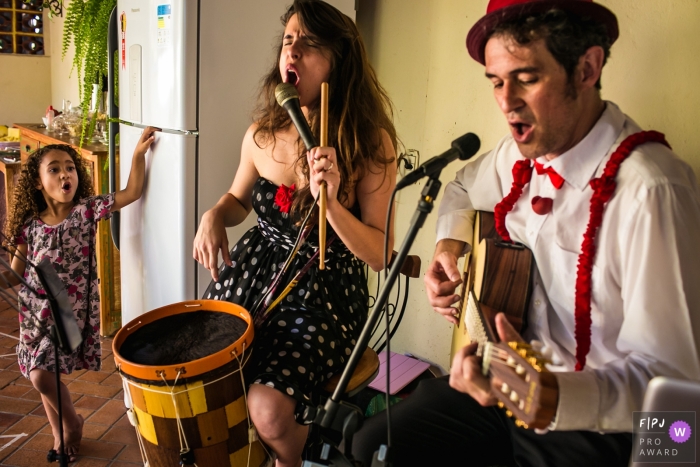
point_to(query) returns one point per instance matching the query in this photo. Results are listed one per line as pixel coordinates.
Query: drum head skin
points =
(190, 338)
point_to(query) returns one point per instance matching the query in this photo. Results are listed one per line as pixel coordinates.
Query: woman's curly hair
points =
(28, 202)
(358, 109)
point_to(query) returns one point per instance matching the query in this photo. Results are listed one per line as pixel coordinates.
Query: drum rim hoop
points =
(189, 369)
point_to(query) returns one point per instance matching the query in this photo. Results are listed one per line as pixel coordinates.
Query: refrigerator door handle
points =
(112, 47)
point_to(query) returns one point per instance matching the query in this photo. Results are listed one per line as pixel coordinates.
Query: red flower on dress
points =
(283, 197)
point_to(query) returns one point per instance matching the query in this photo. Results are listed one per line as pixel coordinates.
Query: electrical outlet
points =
(408, 161)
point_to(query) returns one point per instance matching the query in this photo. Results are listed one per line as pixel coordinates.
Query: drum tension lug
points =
(186, 457)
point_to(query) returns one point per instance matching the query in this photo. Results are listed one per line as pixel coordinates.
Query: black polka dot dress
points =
(309, 336)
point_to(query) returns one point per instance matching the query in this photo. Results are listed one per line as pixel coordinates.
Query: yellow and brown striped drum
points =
(207, 397)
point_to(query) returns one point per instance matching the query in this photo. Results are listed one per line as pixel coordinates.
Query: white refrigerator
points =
(191, 68)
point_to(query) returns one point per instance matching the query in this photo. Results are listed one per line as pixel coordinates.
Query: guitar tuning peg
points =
(518, 346)
(535, 363)
(547, 353)
(514, 396)
(521, 424)
(509, 413)
(542, 349)
(501, 405)
(504, 388)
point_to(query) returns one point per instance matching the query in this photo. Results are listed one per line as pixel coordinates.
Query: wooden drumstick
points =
(322, 195)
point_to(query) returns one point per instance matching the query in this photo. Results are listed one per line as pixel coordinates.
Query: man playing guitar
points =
(612, 217)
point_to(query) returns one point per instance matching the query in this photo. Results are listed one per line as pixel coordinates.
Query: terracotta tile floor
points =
(25, 434)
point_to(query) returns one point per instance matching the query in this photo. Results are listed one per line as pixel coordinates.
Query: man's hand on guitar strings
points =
(466, 376)
(442, 277)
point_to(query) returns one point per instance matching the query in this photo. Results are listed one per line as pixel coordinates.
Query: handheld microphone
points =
(462, 148)
(288, 97)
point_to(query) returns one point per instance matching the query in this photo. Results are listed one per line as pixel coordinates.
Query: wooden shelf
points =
(96, 155)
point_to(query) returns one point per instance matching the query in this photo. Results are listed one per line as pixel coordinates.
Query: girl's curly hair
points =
(28, 202)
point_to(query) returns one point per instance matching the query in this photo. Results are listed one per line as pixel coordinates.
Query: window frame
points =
(14, 10)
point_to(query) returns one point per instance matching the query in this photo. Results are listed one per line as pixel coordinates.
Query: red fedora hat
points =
(499, 11)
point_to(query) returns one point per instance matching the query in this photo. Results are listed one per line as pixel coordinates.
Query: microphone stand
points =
(53, 455)
(341, 416)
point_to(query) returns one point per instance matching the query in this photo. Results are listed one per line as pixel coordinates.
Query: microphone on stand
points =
(288, 97)
(462, 148)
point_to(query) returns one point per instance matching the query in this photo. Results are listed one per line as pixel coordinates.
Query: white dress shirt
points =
(645, 305)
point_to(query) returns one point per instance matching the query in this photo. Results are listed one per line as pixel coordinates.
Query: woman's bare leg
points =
(273, 416)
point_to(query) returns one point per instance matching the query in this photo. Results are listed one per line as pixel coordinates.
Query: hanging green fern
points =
(86, 27)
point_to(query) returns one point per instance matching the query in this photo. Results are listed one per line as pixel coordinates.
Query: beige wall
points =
(25, 88)
(418, 49)
(29, 84)
(64, 83)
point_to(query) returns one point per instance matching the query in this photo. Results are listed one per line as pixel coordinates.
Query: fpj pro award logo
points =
(667, 437)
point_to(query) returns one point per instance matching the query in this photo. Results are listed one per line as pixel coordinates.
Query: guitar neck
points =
(479, 320)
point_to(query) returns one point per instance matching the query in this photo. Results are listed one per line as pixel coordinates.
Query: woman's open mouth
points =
(292, 76)
(66, 187)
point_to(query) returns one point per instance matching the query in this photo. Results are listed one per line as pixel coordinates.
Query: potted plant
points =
(86, 26)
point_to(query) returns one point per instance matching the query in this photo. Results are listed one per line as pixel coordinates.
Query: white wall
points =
(418, 49)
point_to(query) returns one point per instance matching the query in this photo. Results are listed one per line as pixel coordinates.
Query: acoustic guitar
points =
(497, 278)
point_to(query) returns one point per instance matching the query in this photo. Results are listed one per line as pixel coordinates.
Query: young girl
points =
(308, 337)
(54, 215)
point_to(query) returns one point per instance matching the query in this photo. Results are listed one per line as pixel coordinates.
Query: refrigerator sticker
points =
(122, 24)
(164, 26)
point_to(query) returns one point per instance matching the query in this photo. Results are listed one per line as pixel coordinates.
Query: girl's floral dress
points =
(67, 245)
